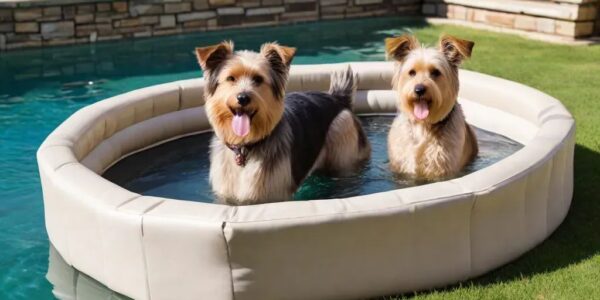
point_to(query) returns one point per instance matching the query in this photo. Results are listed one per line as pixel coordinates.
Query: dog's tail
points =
(343, 86)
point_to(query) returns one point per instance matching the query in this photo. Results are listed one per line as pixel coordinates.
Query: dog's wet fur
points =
(429, 139)
(289, 136)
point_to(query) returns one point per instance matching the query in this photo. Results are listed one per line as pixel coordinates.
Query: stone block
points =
(366, 2)
(2, 42)
(410, 10)
(28, 14)
(85, 30)
(145, 9)
(480, 15)
(565, 28)
(62, 29)
(167, 31)
(193, 29)
(460, 13)
(86, 9)
(6, 15)
(127, 30)
(229, 20)
(69, 12)
(104, 29)
(299, 16)
(263, 19)
(193, 24)
(201, 4)
(278, 2)
(301, 7)
(586, 13)
(84, 19)
(525, 23)
(333, 2)
(211, 23)
(265, 11)
(120, 6)
(354, 9)
(7, 27)
(102, 7)
(229, 11)
(53, 11)
(195, 16)
(167, 21)
(27, 27)
(428, 9)
(574, 29)
(217, 3)
(333, 10)
(149, 20)
(142, 34)
(501, 19)
(110, 37)
(545, 25)
(173, 8)
(249, 3)
(470, 14)
(332, 17)
(103, 19)
(127, 23)
(59, 42)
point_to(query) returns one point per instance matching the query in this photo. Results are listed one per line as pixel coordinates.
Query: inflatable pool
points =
(390, 242)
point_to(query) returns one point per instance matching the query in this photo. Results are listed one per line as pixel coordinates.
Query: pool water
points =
(40, 88)
(179, 169)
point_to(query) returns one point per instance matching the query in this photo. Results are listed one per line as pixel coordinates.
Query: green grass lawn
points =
(567, 265)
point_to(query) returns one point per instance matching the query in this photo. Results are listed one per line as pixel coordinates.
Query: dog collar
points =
(446, 118)
(241, 152)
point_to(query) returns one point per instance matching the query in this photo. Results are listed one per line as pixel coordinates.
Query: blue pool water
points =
(179, 169)
(40, 88)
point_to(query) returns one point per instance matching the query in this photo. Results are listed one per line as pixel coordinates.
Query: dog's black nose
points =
(420, 89)
(243, 99)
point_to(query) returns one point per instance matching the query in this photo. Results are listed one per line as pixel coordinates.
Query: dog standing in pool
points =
(266, 142)
(430, 138)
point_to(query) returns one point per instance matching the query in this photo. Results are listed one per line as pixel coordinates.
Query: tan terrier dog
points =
(266, 142)
(430, 138)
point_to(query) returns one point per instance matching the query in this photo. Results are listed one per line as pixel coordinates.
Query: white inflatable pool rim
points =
(397, 241)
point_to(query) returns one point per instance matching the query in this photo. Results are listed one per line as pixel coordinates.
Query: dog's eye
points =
(412, 73)
(435, 73)
(230, 78)
(257, 79)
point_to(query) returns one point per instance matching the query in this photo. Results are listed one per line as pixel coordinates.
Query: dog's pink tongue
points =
(241, 124)
(421, 109)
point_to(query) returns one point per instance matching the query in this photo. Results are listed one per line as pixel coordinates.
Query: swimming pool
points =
(40, 88)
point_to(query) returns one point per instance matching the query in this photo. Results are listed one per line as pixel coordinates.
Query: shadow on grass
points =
(575, 240)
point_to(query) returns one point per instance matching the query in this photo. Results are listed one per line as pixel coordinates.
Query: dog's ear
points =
(212, 56)
(279, 58)
(454, 49)
(398, 47)
(286, 54)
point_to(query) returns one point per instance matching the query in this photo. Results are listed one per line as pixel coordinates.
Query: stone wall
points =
(566, 18)
(597, 32)
(60, 22)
